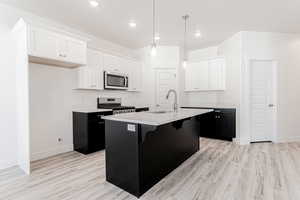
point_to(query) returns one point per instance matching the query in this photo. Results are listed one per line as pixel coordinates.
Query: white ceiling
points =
(217, 19)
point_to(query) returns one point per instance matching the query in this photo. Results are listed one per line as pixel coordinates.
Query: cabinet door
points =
(124, 66)
(96, 135)
(94, 58)
(84, 78)
(111, 63)
(44, 44)
(225, 124)
(91, 75)
(189, 76)
(95, 63)
(201, 76)
(75, 51)
(135, 76)
(208, 125)
(89, 78)
(217, 74)
(197, 76)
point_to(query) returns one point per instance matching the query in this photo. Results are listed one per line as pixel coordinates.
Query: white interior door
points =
(165, 80)
(262, 100)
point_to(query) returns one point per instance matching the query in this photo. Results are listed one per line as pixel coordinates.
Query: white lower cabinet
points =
(206, 75)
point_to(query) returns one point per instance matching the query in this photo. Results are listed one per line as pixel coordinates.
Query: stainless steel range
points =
(115, 104)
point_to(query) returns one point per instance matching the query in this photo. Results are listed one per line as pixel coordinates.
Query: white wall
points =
(285, 49)
(50, 110)
(52, 100)
(42, 145)
(202, 54)
(8, 143)
(167, 58)
(231, 49)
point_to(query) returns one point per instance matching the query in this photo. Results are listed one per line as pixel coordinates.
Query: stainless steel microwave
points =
(115, 81)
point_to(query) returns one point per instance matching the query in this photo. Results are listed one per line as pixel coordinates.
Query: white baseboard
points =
(244, 141)
(289, 139)
(7, 164)
(51, 152)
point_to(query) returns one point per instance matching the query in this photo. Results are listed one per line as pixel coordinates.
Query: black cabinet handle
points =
(101, 123)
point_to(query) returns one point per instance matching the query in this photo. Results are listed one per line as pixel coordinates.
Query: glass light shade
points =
(184, 64)
(153, 50)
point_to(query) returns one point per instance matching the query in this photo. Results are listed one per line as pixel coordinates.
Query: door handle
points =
(271, 105)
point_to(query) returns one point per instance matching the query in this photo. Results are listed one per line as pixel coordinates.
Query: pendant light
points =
(184, 63)
(153, 45)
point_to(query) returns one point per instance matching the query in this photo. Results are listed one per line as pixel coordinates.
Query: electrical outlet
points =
(59, 139)
(131, 127)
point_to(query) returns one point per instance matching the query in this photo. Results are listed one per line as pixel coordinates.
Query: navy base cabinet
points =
(219, 124)
(139, 158)
(89, 132)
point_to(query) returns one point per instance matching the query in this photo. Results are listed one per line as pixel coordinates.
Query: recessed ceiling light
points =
(132, 24)
(198, 34)
(94, 3)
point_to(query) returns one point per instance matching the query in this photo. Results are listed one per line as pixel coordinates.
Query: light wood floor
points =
(219, 171)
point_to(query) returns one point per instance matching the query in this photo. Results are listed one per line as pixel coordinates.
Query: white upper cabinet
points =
(196, 76)
(217, 74)
(124, 66)
(112, 63)
(206, 75)
(75, 51)
(201, 76)
(166, 57)
(43, 44)
(135, 76)
(49, 47)
(94, 58)
(90, 77)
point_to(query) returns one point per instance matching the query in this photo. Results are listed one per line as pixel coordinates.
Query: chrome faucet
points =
(175, 106)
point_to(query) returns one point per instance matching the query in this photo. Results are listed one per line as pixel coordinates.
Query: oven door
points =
(115, 81)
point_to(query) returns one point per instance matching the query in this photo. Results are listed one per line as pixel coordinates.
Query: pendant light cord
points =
(185, 17)
(153, 36)
(184, 48)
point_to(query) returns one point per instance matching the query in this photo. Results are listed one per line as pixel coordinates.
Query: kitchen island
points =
(142, 148)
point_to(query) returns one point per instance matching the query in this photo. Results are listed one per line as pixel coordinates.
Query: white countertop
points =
(90, 110)
(217, 106)
(155, 119)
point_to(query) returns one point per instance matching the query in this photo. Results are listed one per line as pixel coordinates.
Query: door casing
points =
(156, 84)
(245, 112)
